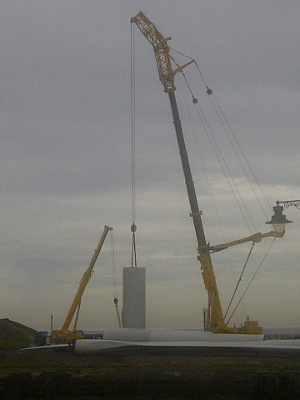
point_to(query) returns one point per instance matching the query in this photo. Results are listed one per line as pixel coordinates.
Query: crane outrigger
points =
(214, 320)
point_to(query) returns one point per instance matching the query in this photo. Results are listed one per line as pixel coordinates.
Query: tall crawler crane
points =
(214, 316)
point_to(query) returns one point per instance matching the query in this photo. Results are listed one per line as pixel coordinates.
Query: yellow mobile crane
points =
(214, 320)
(64, 335)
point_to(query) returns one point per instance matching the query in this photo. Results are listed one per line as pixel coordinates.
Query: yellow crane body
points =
(214, 317)
(64, 335)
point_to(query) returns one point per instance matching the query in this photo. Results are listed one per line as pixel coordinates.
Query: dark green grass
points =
(14, 335)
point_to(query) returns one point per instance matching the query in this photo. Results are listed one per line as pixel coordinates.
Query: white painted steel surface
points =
(174, 335)
(127, 335)
(90, 346)
(134, 298)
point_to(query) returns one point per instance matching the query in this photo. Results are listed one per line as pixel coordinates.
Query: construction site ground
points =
(65, 375)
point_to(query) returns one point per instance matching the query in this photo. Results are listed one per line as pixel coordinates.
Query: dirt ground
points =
(143, 376)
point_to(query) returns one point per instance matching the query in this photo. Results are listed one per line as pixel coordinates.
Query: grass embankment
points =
(14, 335)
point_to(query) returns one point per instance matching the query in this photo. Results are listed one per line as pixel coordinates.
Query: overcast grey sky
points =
(66, 156)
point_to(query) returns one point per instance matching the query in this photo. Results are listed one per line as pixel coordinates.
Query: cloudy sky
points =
(66, 157)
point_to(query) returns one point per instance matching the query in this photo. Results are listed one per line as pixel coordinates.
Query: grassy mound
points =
(14, 335)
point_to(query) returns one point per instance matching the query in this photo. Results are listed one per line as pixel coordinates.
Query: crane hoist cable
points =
(220, 114)
(133, 121)
(239, 280)
(218, 110)
(226, 126)
(224, 122)
(114, 277)
(207, 129)
(214, 142)
(133, 150)
(222, 162)
(219, 155)
(209, 91)
(209, 187)
(251, 280)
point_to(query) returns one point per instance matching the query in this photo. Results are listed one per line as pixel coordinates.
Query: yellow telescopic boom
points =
(64, 334)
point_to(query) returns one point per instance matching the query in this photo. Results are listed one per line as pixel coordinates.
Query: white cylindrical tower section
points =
(134, 298)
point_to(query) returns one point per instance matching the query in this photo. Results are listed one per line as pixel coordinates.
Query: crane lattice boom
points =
(161, 50)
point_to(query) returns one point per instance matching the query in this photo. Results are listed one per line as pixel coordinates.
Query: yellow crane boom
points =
(64, 334)
(161, 51)
(214, 316)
